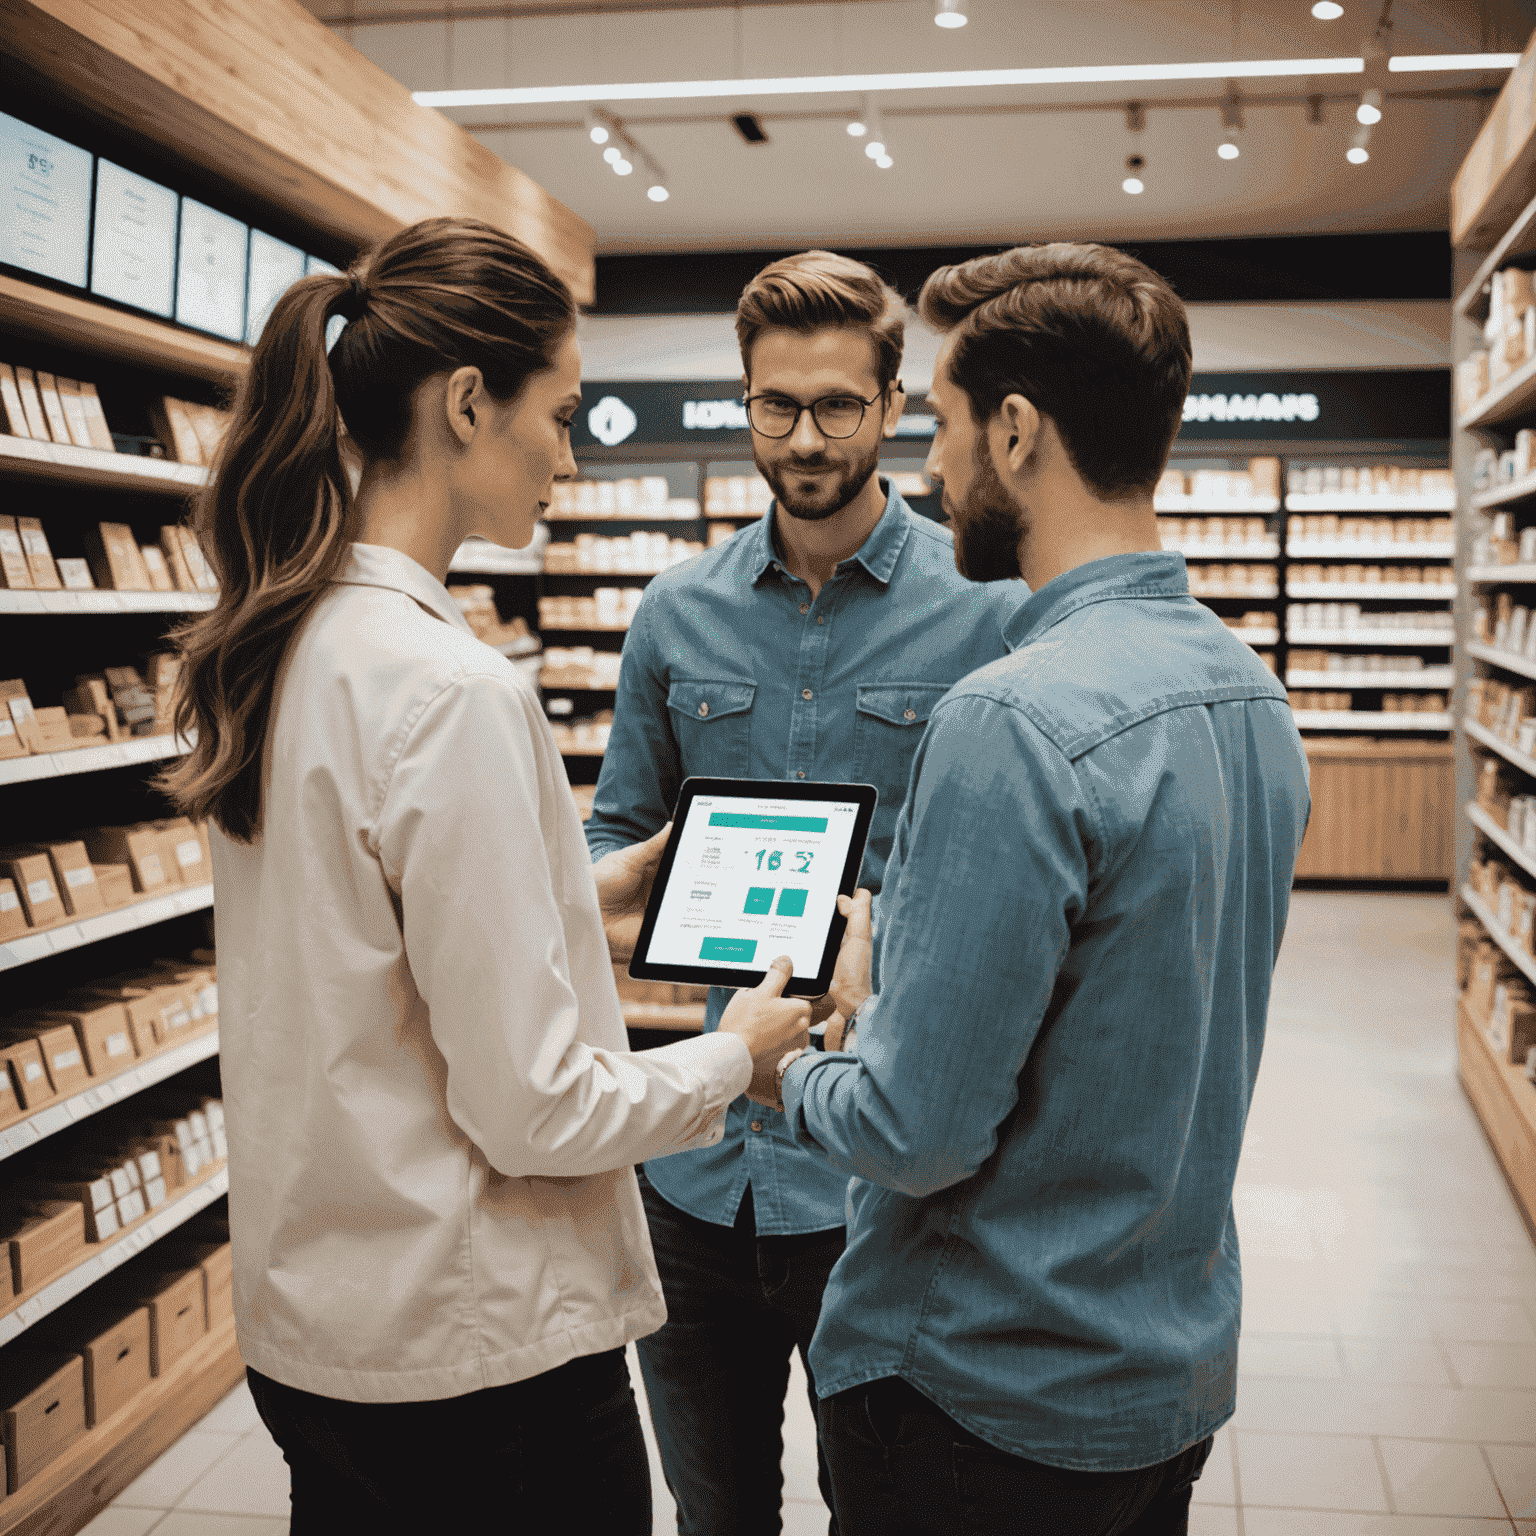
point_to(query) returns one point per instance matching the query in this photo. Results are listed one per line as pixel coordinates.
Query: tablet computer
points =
(752, 870)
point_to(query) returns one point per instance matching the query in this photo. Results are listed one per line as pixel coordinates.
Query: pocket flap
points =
(900, 703)
(708, 699)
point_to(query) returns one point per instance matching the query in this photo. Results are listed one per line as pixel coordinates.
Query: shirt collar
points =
(878, 553)
(376, 565)
(1148, 573)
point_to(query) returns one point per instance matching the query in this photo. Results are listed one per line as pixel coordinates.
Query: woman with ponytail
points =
(433, 1114)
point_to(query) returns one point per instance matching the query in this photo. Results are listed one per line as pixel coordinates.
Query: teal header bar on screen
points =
(768, 823)
(728, 949)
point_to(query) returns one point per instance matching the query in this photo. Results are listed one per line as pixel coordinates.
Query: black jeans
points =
(561, 1451)
(902, 1467)
(716, 1371)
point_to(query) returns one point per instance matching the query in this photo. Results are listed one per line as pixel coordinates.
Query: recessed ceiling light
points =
(885, 162)
(1369, 110)
(1228, 150)
(622, 167)
(1327, 10)
(1134, 164)
(1357, 154)
(658, 194)
(857, 128)
(613, 153)
(949, 13)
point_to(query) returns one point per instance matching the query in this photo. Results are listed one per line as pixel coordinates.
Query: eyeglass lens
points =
(777, 415)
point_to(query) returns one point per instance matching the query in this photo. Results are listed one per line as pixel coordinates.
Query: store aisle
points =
(1389, 1350)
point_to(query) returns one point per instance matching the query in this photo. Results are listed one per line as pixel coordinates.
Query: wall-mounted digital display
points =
(275, 267)
(46, 218)
(210, 274)
(134, 247)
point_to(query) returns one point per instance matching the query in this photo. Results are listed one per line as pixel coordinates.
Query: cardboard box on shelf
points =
(197, 563)
(13, 419)
(160, 578)
(116, 884)
(178, 1314)
(33, 874)
(176, 558)
(75, 878)
(53, 407)
(74, 413)
(213, 1258)
(32, 405)
(75, 574)
(11, 1111)
(113, 1337)
(29, 1076)
(34, 544)
(54, 730)
(91, 696)
(139, 847)
(102, 1027)
(115, 560)
(15, 573)
(169, 420)
(45, 1411)
(43, 1238)
(95, 418)
(12, 919)
(62, 1055)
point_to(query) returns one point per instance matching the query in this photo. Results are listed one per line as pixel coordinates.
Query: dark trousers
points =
(564, 1451)
(717, 1370)
(902, 1467)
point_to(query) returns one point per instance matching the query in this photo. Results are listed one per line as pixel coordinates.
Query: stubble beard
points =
(988, 531)
(838, 493)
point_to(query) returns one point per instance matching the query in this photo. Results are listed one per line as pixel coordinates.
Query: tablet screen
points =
(755, 876)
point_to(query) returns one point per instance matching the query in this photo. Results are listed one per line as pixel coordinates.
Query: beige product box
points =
(45, 1412)
(178, 1315)
(168, 416)
(11, 1110)
(13, 419)
(62, 1056)
(33, 874)
(13, 920)
(75, 574)
(75, 877)
(214, 1261)
(160, 1011)
(13, 696)
(209, 424)
(96, 419)
(53, 728)
(32, 405)
(116, 884)
(34, 544)
(92, 696)
(116, 1350)
(115, 559)
(102, 1028)
(88, 730)
(14, 570)
(190, 850)
(197, 563)
(29, 1077)
(44, 1238)
(176, 558)
(91, 1189)
(139, 847)
(53, 407)
(11, 745)
(159, 571)
(74, 413)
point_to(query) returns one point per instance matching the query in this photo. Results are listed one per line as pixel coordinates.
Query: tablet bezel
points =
(866, 796)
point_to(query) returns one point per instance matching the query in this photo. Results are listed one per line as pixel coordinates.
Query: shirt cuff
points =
(796, 1078)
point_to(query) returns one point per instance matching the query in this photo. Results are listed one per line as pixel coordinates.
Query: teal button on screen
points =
(792, 904)
(728, 949)
(768, 823)
(759, 899)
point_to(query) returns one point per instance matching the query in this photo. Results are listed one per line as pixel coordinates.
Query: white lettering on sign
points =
(610, 421)
(714, 416)
(1266, 407)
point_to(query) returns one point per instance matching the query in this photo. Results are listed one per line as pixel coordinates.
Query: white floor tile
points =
(1437, 1477)
(1384, 1408)
(182, 1522)
(120, 1521)
(1310, 1472)
(1267, 1355)
(1399, 1360)
(1213, 1520)
(1480, 1322)
(1215, 1485)
(163, 1482)
(235, 1415)
(1511, 1366)
(1514, 1470)
(1296, 1522)
(251, 1480)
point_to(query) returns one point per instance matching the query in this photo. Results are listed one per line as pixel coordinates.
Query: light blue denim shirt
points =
(730, 670)
(1081, 915)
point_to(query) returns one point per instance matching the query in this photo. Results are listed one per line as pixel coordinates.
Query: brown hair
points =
(276, 517)
(821, 288)
(1091, 337)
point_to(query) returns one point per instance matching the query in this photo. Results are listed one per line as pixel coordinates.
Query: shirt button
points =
(805, 693)
(703, 709)
(909, 714)
(805, 607)
(821, 618)
(757, 1125)
(800, 774)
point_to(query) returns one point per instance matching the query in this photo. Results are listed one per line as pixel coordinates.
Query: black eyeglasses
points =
(835, 416)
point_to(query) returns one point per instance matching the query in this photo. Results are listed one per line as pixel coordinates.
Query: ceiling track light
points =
(597, 129)
(858, 125)
(1358, 152)
(1369, 110)
(1232, 124)
(622, 153)
(1327, 10)
(949, 13)
(874, 146)
(1133, 184)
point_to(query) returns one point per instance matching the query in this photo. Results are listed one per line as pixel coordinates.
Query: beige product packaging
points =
(115, 559)
(34, 544)
(12, 418)
(13, 921)
(75, 573)
(10, 1112)
(33, 874)
(209, 425)
(96, 419)
(32, 405)
(188, 844)
(11, 744)
(76, 879)
(74, 413)
(53, 728)
(29, 1075)
(13, 695)
(88, 730)
(168, 416)
(62, 1055)
(159, 572)
(53, 407)
(104, 1033)
(14, 570)
(197, 563)
(50, 1236)
(139, 847)
(91, 696)
(176, 558)
(115, 882)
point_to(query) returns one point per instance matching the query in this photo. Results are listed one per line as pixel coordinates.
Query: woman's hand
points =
(624, 879)
(769, 1024)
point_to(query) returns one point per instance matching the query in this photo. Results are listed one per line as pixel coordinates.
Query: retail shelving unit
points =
(272, 119)
(1496, 759)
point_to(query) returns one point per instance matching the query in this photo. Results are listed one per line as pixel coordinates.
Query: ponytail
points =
(276, 518)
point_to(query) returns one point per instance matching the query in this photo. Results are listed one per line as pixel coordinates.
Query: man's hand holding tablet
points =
(769, 1024)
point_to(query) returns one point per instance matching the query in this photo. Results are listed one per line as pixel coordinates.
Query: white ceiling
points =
(997, 174)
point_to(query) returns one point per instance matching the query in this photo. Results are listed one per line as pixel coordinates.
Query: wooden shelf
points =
(1495, 833)
(1506, 659)
(1341, 549)
(1334, 591)
(106, 602)
(583, 629)
(587, 687)
(105, 1092)
(26, 458)
(1502, 495)
(1508, 400)
(688, 1016)
(115, 754)
(583, 751)
(1505, 1103)
(1479, 732)
(1500, 936)
(1484, 575)
(72, 320)
(73, 932)
(1519, 238)
(1365, 720)
(1387, 638)
(1437, 678)
(31, 1307)
(69, 1493)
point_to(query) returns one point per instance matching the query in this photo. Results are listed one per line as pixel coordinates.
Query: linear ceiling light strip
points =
(947, 79)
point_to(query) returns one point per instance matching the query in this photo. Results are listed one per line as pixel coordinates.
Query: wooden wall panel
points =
(264, 96)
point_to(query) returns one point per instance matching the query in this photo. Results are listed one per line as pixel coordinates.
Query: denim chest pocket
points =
(889, 722)
(712, 721)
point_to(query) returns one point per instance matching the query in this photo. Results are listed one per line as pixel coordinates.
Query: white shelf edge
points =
(1506, 659)
(85, 1274)
(1266, 595)
(21, 600)
(1467, 300)
(1491, 829)
(1269, 550)
(1369, 720)
(1442, 678)
(105, 1092)
(1499, 495)
(1385, 637)
(1338, 501)
(1480, 733)
(1254, 506)
(1436, 592)
(129, 466)
(1257, 636)
(115, 754)
(1337, 549)
(1497, 573)
(104, 925)
(1500, 936)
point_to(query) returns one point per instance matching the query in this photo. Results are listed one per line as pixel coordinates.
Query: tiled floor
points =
(1388, 1368)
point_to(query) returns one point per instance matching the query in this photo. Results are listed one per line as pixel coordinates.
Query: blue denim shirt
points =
(1081, 915)
(839, 689)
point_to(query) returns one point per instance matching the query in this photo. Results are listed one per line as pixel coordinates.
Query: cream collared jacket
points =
(432, 1108)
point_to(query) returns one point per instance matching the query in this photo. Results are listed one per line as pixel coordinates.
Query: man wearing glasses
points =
(812, 645)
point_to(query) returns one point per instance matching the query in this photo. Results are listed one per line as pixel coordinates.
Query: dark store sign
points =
(1292, 407)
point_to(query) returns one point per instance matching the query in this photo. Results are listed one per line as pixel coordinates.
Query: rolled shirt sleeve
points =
(480, 840)
(990, 871)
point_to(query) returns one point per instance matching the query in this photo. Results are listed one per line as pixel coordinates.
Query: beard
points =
(830, 496)
(988, 530)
